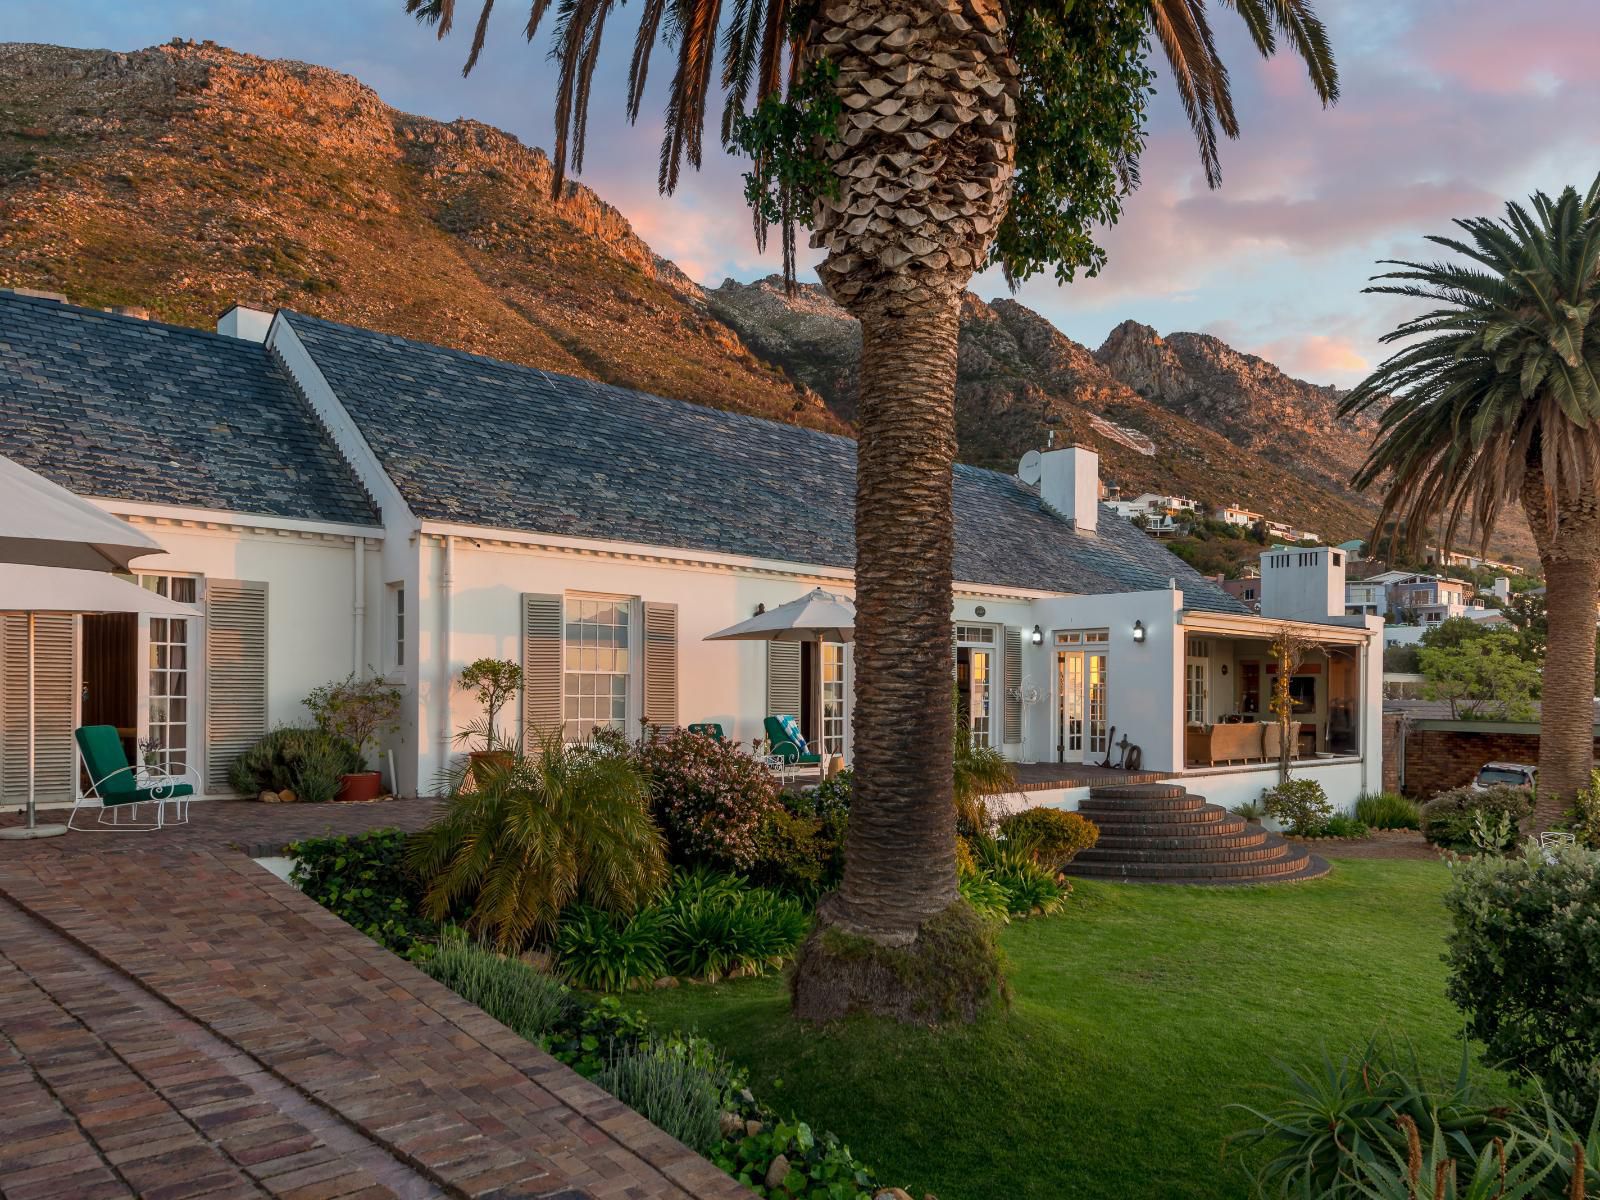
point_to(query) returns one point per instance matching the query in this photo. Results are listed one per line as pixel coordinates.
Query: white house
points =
(335, 499)
(1235, 515)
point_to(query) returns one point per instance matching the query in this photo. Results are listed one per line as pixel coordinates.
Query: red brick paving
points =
(179, 1023)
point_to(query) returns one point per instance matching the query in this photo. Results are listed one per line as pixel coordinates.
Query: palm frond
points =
(1498, 386)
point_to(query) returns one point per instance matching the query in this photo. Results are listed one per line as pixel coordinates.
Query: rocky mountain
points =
(1251, 401)
(1019, 377)
(186, 177)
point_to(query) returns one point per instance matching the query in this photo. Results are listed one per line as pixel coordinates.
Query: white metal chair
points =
(120, 788)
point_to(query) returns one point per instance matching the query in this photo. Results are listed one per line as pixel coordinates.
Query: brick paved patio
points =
(175, 1022)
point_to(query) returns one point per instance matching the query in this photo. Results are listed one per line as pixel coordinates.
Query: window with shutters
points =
(598, 668)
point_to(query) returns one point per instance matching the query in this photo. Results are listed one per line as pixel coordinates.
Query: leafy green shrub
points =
(1052, 836)
(1585, 815)
(1524, 966)
(291, 758)
(820, 1167)
(610, 952)
(1299, 805)
(1250, 810)
(988, 898)
(799, 853)
(719, 925)
(709, 796)
(1341, 826)
(676, 1085)
(829, 798)
(1448, 819)
(557, 826)
(528, 1002)
(1029, 888)
(1329, 1117)
(364, 880)
(1388, 810)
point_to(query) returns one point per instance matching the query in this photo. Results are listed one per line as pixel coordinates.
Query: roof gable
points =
(477, 441)
(127, 409)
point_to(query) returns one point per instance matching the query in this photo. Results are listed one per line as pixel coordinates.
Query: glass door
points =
(833, 697)
(1082, 677)
(981, 678)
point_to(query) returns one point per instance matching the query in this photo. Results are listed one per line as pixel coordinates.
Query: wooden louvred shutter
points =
(54, 686)
(236, 673)
(1011, 682)
(541, 666)
(783, 679)
(661, 664)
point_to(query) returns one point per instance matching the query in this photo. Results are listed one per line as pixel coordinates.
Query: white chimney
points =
(1502, 589)
(1069, 482)
(248, 324)
(1302, 585)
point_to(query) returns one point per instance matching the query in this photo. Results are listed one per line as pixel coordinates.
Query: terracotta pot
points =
(485, 763)
(363, 785)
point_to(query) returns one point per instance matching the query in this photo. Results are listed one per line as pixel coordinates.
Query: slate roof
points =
(476, 441)
(126, 409)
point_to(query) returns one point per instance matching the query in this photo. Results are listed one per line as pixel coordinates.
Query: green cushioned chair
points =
(121, 788)
(788, 743)
(710, 729)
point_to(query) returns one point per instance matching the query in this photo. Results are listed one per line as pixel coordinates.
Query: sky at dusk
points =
(1450, 107)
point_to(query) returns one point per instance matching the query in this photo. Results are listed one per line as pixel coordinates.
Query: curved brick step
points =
(1259, 852)
(1206, 814)
(1137, 791)
(1193, 872)
(1162, 833)
(1112, 804)
(1253, 835)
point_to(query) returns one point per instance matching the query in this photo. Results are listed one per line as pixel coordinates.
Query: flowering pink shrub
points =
(709, 796)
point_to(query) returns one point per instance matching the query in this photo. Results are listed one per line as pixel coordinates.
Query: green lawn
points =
(1137, 1016)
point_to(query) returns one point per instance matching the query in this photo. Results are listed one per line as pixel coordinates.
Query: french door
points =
(1081, 680)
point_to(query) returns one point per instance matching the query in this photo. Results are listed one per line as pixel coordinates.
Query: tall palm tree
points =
(1499, 401)
(931, 96)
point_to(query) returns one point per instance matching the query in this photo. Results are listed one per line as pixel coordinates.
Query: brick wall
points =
(1391, 751)
(1437, 759)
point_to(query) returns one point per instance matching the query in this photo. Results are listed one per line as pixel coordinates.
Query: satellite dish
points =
(1031, 468)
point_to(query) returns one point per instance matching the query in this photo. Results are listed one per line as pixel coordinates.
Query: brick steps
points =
(1161, 833)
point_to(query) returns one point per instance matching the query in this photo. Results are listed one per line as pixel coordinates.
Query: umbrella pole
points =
(32, 829)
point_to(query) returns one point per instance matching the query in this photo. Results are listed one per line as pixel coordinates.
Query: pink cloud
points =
(1317, 357)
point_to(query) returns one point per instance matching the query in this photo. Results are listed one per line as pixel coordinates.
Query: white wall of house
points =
(1142, 677)
(724, 682)
(310, 577)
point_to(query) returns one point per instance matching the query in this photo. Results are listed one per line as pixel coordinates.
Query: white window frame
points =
(394, 627)
(633, 699)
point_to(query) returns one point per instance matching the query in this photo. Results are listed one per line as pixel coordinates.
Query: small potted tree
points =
(495, 681)
(357, 710)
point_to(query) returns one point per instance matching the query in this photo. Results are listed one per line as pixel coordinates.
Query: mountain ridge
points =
(185, 177)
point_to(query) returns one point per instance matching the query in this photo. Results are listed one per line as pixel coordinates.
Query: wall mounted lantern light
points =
(1038, 636)
(1138, 631)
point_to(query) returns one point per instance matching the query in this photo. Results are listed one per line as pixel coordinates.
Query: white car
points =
(1505, 774)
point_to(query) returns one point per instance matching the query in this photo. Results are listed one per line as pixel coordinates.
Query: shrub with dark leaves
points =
(1447, 819)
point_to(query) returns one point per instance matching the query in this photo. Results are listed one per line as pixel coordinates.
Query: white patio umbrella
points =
(33, 590)
(43, 524)
(818, 616)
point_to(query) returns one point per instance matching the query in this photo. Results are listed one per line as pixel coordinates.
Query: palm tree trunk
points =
(923, 166)
(1569, 555)
(900, 854)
